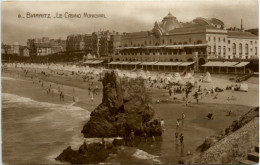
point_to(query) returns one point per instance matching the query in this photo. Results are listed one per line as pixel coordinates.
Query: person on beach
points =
(181, 138)
(177, 123)
(196, 96)
(92, 98)
(89, 91)
(176, 135)
(186, 101)
(132, 136)
(182, 117)
(61, 96)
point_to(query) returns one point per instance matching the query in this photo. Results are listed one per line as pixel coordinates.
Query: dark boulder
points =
(93, 153)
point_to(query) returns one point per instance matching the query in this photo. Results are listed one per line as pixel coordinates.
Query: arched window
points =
(240, 49)
(234, 48)
(185, 43)
(156, 44)
(174, 43)
(170, 40)
(180, 43)
(163, 41)
(246, 49)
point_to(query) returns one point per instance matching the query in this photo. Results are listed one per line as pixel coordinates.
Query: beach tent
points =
(207, 78)
(188, 75)
(177, 77)
(196, 84)
(243, 87)
(191, 80)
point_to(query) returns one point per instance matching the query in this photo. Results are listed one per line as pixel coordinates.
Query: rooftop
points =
(239, 34)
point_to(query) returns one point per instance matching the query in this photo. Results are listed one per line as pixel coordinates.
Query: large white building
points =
(198, 41)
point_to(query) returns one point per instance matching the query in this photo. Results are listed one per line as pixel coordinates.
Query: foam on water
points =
(10, 78)
(12, 100)
(143, 155)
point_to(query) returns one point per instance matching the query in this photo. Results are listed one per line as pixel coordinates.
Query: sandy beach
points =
(166, 147)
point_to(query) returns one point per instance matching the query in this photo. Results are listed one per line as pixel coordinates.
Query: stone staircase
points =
(252, 157)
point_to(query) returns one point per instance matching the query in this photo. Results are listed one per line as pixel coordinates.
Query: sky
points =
(128, 16)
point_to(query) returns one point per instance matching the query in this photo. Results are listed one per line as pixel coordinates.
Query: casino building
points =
(172, 43)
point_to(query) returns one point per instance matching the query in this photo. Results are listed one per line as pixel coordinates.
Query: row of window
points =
(240, 48)
(219, 39)
(178, 52)
(163, 42)
(210, 51)
(43, 50)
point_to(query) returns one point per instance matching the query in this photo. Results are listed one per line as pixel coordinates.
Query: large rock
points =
(93, 153)
(125, 106)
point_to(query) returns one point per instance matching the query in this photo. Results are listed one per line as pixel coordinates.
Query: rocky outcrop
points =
(125, 106)
(232, 145)
(237, 124)
(93, 153)
(107, 153)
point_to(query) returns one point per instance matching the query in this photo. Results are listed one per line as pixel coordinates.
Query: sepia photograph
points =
(130, 82)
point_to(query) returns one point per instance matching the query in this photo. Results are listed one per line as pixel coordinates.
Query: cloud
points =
(121, 16)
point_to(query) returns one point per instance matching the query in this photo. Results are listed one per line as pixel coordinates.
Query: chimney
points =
(242, 25)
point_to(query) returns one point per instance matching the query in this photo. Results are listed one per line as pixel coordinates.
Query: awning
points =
(241, 64)
(229, 64)
(124, 62)
(168, 63)
(213, 63)
(97, 62)
(187, 63)
(149, 63)
(88, 62)
(114, 62)
(221, 64)
(128, 47)
(134, 63)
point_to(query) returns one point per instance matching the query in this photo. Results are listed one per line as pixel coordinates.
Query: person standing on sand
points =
(177, 124)
(182, 117)
(89, 90)
(196, 95)
(176, 135)
(170, 92)
(181, 138)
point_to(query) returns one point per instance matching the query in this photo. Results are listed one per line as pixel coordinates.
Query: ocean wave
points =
(140, 154)
(8, 78)
(12, 100)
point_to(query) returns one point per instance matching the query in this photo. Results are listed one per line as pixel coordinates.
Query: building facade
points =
(45, 46)
(100, 44)
(199, 40)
